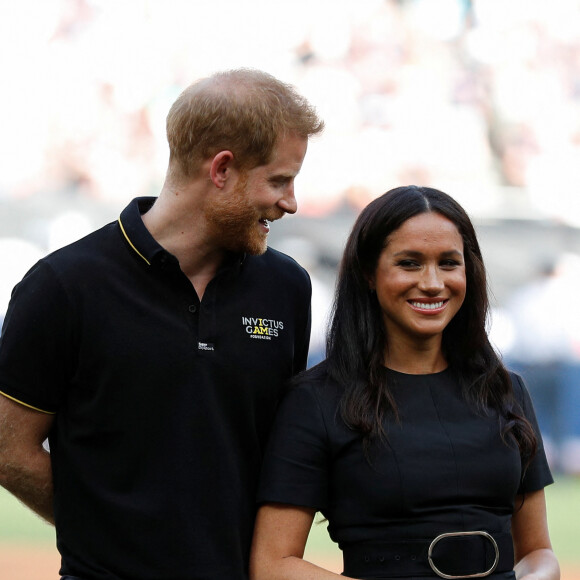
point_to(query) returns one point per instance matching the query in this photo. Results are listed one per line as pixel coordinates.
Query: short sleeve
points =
(538, 475)
(34, 354)
(295, 467)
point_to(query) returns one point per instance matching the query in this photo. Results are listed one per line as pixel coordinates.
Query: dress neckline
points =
(418, 375)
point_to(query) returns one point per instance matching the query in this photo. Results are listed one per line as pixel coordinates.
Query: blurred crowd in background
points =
(479, 98)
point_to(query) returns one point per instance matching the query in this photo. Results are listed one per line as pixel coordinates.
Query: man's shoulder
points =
(280, 272)
(85, 252)
(283, 263)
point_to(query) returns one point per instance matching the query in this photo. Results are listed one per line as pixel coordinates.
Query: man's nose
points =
(288, 203)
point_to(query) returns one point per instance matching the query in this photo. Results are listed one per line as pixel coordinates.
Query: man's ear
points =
(221, 168)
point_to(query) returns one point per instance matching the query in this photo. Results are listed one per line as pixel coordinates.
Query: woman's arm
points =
(534, 557)
(279, 540)
(25, 468)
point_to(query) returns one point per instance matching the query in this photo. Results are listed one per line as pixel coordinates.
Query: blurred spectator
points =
(394, 79)
(544, 315)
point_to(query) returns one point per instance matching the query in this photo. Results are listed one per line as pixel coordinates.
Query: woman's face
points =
(420, 278)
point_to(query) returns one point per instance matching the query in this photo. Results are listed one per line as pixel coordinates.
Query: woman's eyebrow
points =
(417, 254)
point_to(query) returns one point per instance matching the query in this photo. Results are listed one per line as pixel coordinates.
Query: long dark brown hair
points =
(357, 339)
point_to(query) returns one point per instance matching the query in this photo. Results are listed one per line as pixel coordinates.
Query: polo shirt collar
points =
(137, 235)
(144, 244)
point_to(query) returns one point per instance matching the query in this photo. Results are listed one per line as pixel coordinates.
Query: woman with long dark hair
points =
(412, 439)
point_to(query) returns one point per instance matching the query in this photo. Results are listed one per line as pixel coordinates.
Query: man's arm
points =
(25, 469)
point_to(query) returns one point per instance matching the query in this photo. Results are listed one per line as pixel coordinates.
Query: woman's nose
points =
(431, 280)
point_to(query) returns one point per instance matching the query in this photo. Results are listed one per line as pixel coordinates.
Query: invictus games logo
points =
(262, 328)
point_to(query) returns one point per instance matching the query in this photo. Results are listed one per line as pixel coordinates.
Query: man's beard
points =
(234, 222)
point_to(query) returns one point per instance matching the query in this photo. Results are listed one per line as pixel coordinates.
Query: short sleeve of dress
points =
(537, 475)
(35, 358)
(295, 467)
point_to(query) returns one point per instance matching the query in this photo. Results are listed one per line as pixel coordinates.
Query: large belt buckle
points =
(450, 534)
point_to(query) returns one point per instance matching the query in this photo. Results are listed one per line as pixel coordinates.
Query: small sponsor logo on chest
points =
(205, 346)
(262, 328)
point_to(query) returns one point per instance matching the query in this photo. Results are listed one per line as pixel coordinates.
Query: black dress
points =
(445, 469)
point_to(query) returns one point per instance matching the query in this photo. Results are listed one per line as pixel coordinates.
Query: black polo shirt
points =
(162, 403)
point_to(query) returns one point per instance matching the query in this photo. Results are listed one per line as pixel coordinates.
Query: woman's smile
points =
(428, 307)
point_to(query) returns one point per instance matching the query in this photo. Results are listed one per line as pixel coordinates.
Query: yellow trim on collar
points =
(131, 243)
(26, 405)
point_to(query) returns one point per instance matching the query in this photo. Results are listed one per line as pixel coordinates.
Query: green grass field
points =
(19, 526)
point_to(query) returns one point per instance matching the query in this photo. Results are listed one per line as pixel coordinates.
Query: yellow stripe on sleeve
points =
(26, 405)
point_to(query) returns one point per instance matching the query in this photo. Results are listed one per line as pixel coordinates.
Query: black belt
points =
(453, 555)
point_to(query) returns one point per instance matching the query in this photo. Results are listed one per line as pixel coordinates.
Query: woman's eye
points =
(408, 264)
(449, 264)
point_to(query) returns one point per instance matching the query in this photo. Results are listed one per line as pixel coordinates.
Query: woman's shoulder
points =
(518, 385)
(520, 390)
(316, 382)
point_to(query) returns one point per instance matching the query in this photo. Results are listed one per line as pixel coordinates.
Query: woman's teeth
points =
(427, 305)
